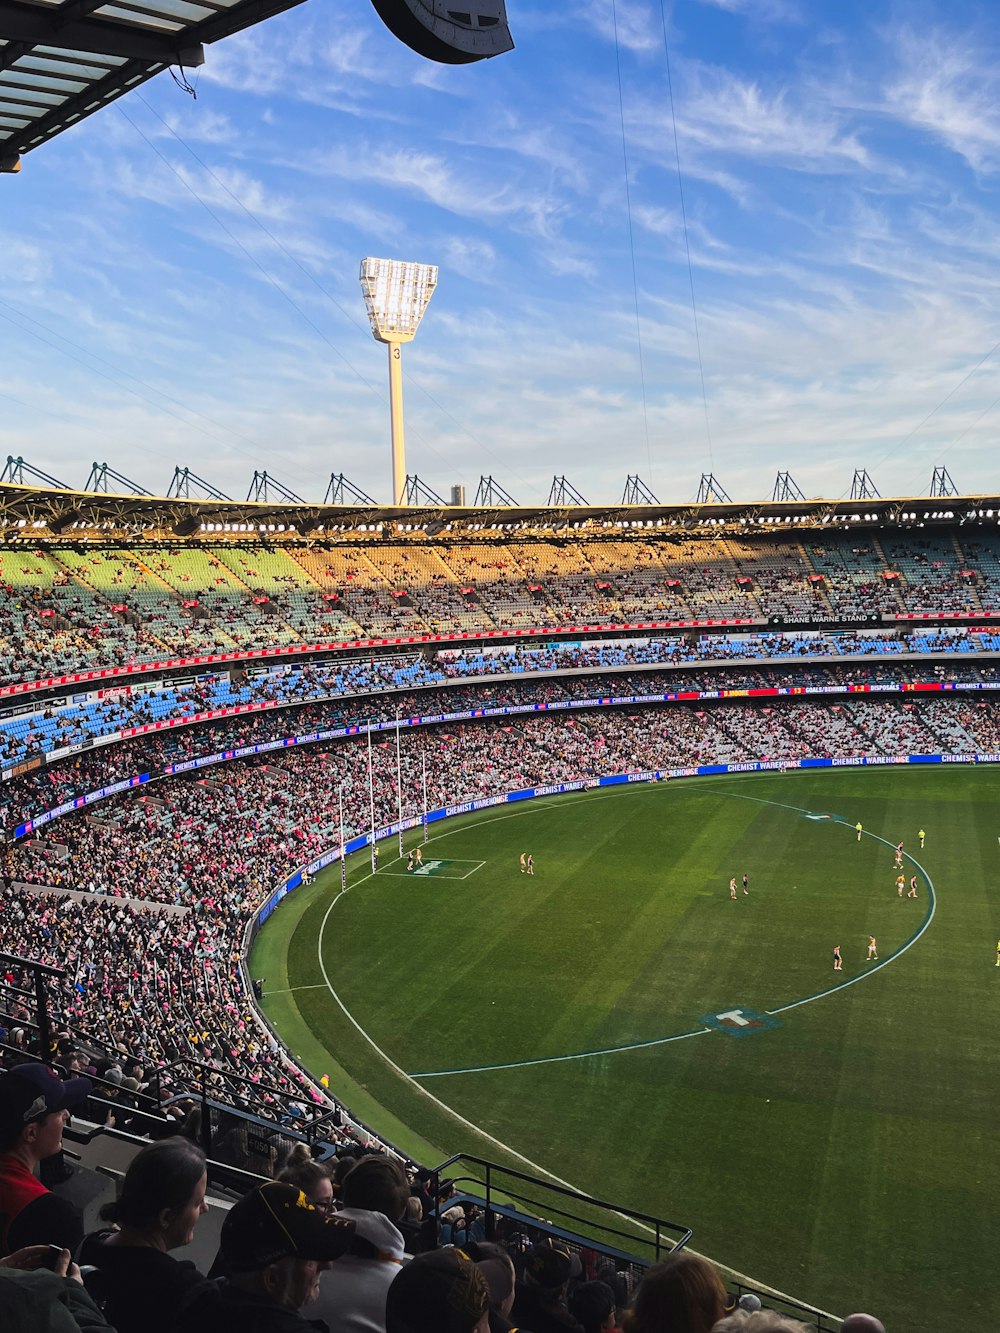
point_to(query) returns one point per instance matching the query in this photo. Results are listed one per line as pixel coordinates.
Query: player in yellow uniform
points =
(523, 859)
(857, 829)
(921, 835)
(732, 888)
(899, 856)
(900, 884)
(418, 856)
(872, 948)
(998, 953)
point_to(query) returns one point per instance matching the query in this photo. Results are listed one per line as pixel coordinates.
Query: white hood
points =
(377, 1230)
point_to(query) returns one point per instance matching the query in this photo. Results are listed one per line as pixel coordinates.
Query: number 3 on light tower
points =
(395, 353)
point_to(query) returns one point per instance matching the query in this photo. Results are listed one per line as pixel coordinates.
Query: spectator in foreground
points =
(352, 1295)
(862, 1323)
(139, 1286)
(441, 1291)
(34, 1107)
(759, 1321)
(274, 1246)
(540, 1298)
(36, 1299)
(681, 1294)
(592, 1304)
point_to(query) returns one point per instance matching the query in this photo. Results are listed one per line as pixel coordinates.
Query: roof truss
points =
(62, 60)
(37, 513)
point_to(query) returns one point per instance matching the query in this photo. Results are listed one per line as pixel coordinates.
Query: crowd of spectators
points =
(51, 725)
(72, 776)
(68, 609)
(358, 704)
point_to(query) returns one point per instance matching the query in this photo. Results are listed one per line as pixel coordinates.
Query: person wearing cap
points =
(540, 1298)
(35, 1104)
(440, 1291)
(497, 1268)
(274, 1246)
(374, 1195)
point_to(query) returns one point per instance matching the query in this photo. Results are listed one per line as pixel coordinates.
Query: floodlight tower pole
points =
(396, 417)
(396, 294)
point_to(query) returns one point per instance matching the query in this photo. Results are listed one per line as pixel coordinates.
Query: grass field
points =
(847, 1155)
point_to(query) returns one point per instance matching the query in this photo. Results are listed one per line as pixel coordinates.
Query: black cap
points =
(440, 1291)
(276, 1221)
(31, 1092)
(550, 1264)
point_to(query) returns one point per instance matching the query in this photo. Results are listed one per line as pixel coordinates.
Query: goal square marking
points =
(438, 868)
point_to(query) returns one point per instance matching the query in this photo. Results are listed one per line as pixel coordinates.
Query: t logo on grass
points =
(739, 1021)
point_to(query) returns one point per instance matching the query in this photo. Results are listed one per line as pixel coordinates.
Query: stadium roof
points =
(31, 513)
(62, 60)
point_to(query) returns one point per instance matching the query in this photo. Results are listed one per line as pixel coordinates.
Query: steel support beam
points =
(30, 25)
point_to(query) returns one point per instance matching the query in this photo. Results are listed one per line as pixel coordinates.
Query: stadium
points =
(262, 685)
(622, 875)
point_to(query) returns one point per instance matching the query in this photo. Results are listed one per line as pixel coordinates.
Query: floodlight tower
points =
(397, 293)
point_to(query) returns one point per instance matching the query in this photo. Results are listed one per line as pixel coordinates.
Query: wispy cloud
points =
(434, 179)
(639, 27)
(23, 263)
(207, 127)
(947, 84)
(223, 189)
(736, 116)
(760, 11)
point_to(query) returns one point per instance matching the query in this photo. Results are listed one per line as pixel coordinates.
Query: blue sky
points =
(180, 277)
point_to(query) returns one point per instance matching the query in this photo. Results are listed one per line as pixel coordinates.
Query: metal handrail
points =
(657, 1224)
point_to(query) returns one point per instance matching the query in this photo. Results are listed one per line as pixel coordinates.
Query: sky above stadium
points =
(727, 236)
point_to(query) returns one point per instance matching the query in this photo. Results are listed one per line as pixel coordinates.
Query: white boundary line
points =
(290, 990)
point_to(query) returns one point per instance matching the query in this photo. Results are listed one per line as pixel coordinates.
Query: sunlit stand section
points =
(396, 295)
